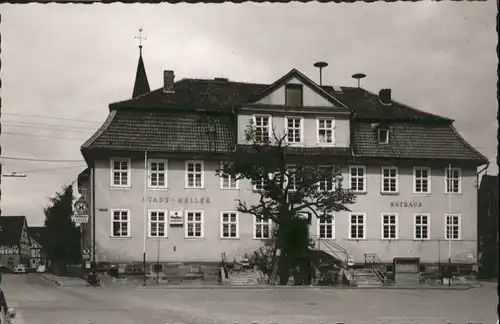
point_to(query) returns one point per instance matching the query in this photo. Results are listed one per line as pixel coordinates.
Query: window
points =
(120, 172)
(229, 225)
(293, 129)
(260, 184)
(421, 227)
(389, 226)
(326, 226)
(452, 227)
(228, 181)
(194, 224)
(194, 174)
(262, 128)
(157, 173)
(262, 228)
(293, 95)
(291, 179)
(158, 223)
(357, 226)
(389, 179)
(452, 179)
(357, 178)
(326, 128)
(327, 184)
(383, 136)
(421, 180)
(120, 223)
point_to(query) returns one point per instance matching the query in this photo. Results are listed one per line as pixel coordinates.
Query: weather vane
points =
(140, 38)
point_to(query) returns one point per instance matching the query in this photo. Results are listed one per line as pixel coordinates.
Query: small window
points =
(453, 180)
(389, 179)
(120, 172)
(194, 174)
(229, 225)
(421, 229)
(293, 129)
(157, 223)
(357, 226)
(421, 180)
(452, 227)
(227, 181)
(389, 226)
(120, 223)
(326, 131)
(157, 173)
(383, 136)
(294, 95)
(357, 178)
(326, 226)
(194, 224)
(262, 126)
(262, 228)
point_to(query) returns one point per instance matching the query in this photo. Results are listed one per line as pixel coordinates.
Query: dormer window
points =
(293, 95)
(383, 136)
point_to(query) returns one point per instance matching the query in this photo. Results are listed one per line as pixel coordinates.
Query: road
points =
(39, 301)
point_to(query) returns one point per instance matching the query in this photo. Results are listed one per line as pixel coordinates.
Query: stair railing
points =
(373, 262)
(334, 249)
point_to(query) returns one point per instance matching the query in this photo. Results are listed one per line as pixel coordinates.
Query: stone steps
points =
(366, 278)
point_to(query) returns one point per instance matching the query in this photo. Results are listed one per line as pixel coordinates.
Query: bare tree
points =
(288, 185)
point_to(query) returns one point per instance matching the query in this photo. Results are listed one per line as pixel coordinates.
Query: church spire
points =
(141, 85)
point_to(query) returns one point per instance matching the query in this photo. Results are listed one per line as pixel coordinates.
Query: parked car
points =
(7, 314)
(20, 268)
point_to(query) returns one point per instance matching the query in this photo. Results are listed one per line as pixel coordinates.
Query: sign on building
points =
(81, 212)
(176, 218)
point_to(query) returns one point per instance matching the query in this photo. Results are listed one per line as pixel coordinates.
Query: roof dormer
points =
(383, 135)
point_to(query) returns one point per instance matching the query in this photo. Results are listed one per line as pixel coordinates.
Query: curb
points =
(57, 282)
(305, 287)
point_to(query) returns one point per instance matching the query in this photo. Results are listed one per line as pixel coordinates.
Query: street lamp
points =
(14, 175)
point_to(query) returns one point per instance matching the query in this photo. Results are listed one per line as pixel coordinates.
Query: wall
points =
(207, 249)
(309, 96)
(373, 203)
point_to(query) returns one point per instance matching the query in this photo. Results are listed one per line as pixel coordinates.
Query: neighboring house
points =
(14, 241)
(488, 227)
(38, 241)
(395, 159)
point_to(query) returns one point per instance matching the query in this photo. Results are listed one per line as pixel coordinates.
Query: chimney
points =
(168, 81)
(385, 96)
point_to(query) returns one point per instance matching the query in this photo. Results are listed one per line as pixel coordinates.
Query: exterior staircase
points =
(366, 278)
(245, 278)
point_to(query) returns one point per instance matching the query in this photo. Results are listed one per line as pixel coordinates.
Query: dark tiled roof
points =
(366, 105)
(38, 233)
(11, 228)
(141, 85)
(163, 122)
(165, 131)
(192, 94)
(408, 140)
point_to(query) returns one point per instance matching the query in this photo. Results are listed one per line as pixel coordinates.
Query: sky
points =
(63, 64)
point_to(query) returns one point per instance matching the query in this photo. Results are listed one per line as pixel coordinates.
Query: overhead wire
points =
(54, 118)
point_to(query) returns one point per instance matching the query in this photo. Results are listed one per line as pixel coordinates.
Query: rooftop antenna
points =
(320, 65)
(358, 76)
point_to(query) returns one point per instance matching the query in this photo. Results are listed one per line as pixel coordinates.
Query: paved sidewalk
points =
(205, 286)
(64, 281)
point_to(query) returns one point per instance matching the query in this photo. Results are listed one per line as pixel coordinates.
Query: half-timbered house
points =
(37, 252)
(14, 241)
